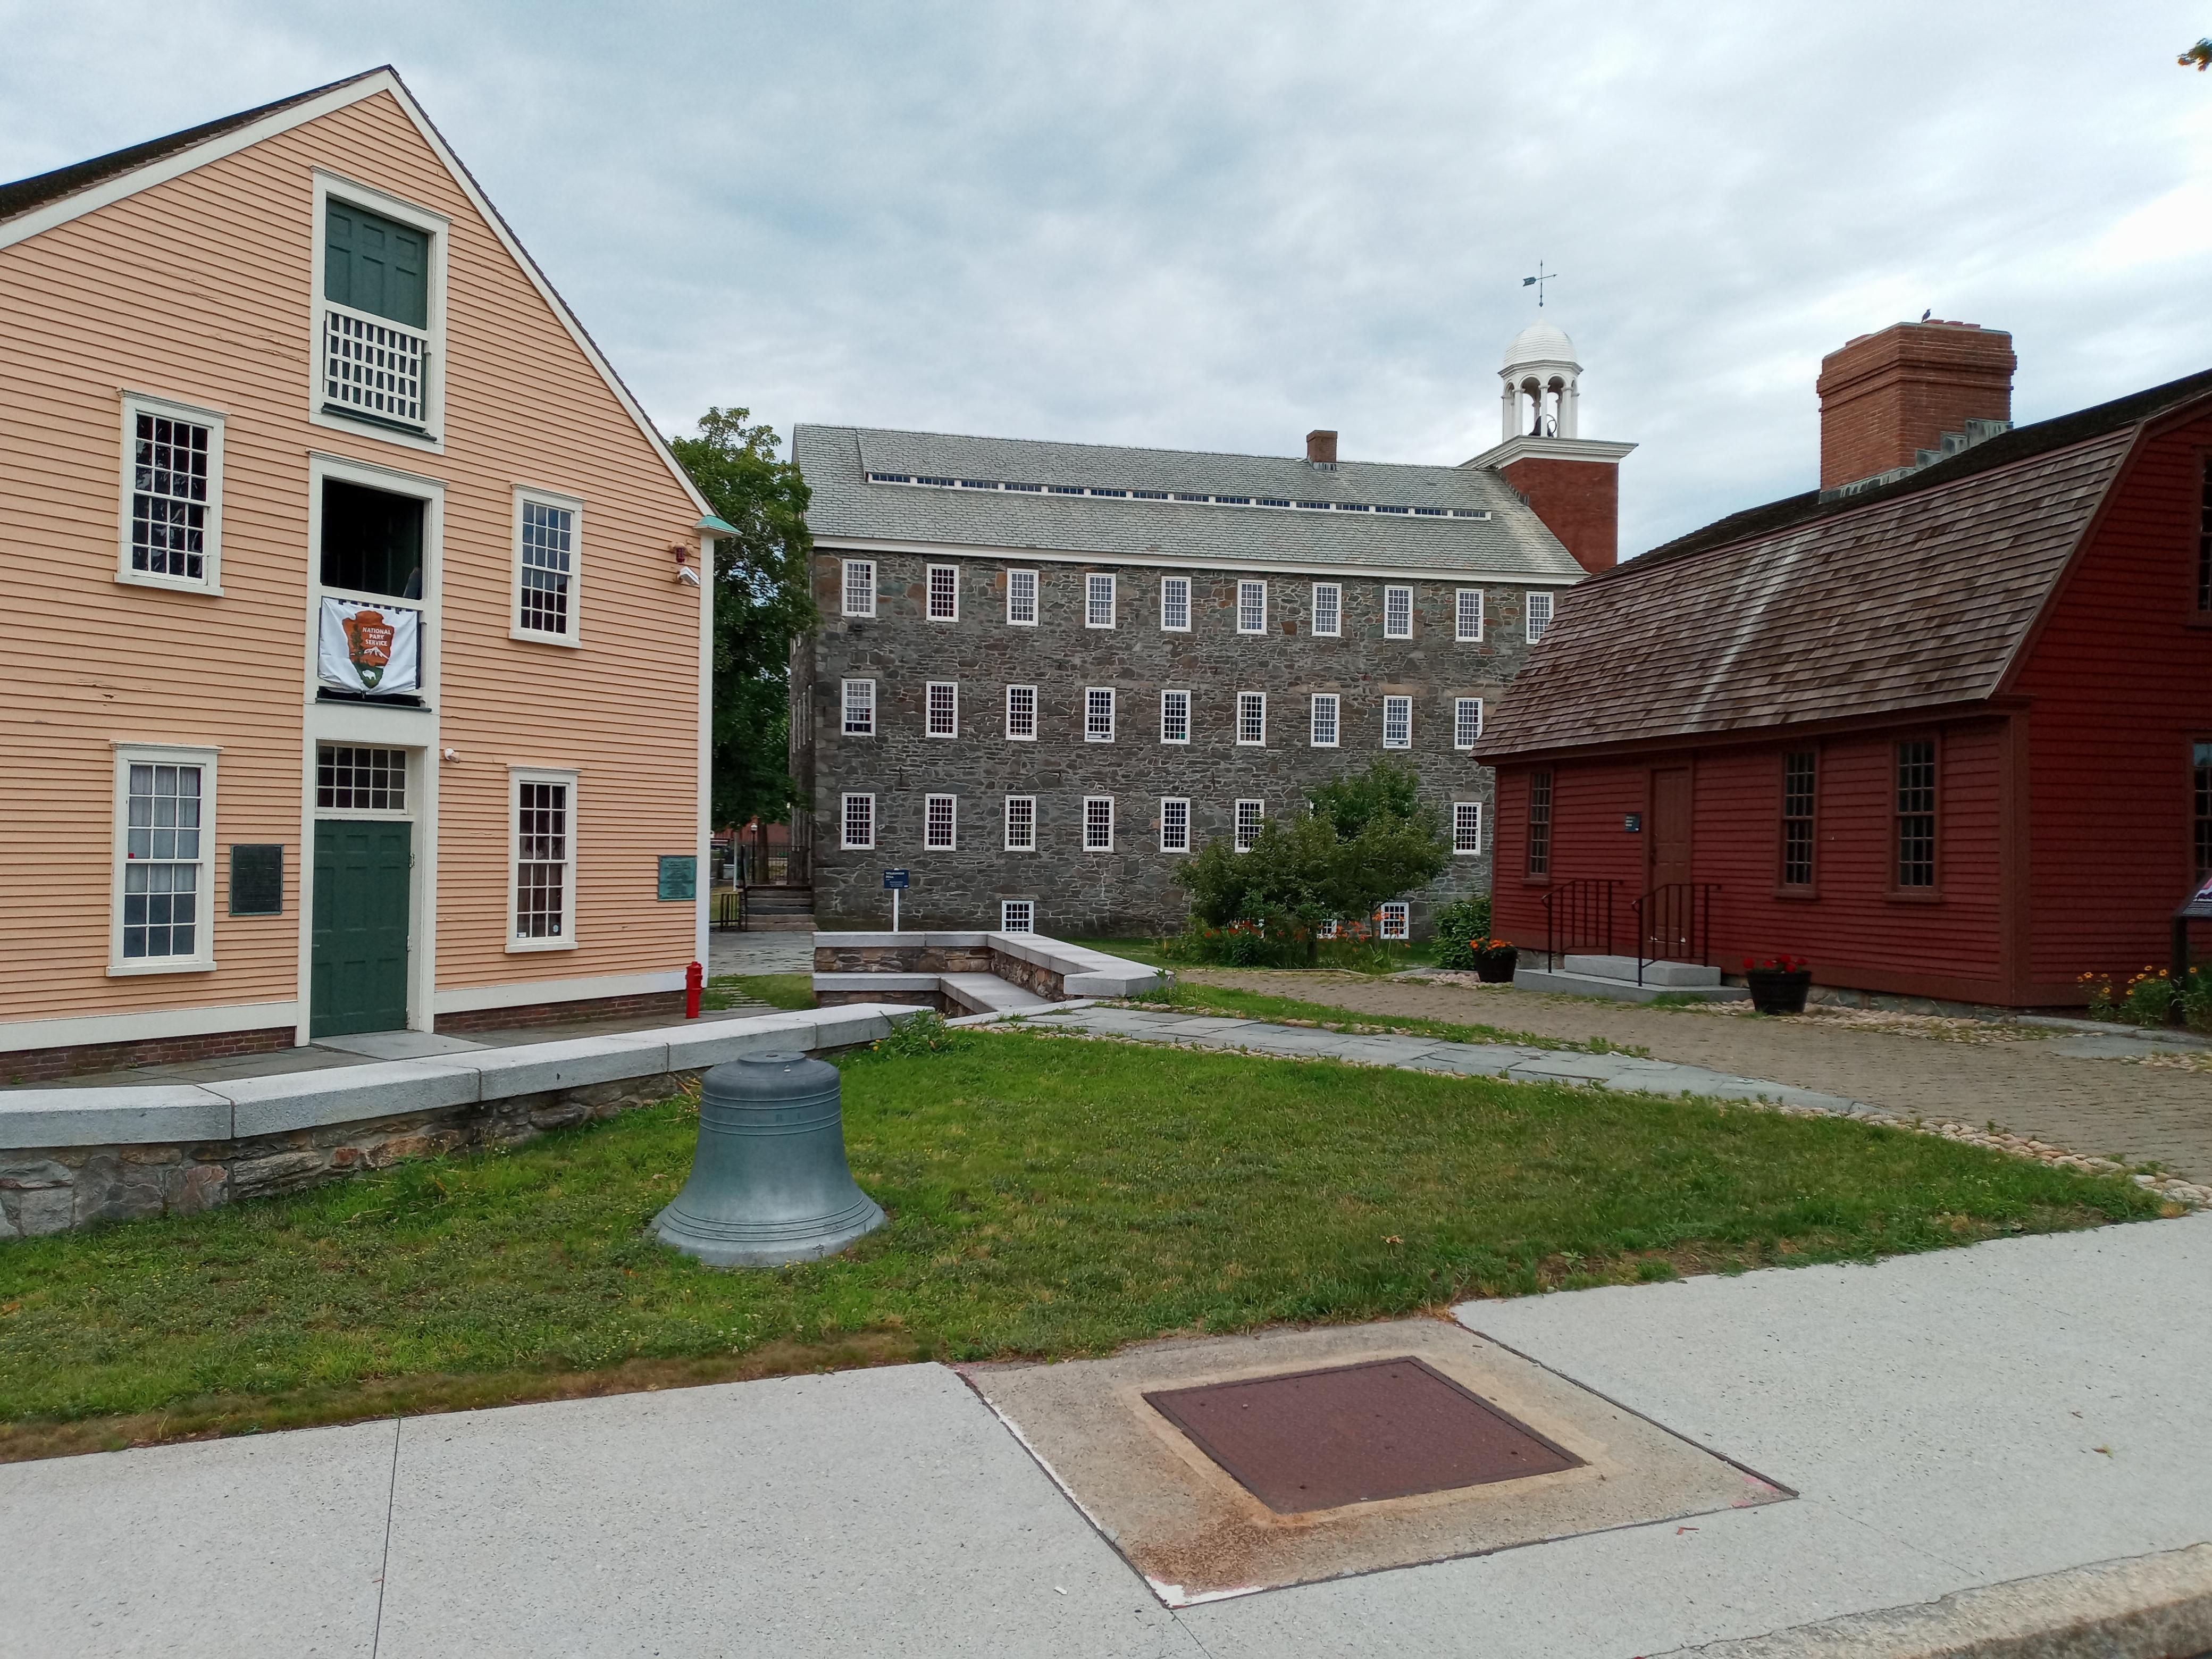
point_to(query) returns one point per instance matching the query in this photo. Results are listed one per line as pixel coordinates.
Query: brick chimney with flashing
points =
(1886, 397)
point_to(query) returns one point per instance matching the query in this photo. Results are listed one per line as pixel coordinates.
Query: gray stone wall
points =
(1128, 890)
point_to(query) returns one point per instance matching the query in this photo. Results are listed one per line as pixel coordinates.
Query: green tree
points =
(762, 600)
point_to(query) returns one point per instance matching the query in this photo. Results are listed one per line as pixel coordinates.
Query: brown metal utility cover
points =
(1351, 1434)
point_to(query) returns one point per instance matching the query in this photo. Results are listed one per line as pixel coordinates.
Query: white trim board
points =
(467, 999)
(1457, 575)
(76, 1030)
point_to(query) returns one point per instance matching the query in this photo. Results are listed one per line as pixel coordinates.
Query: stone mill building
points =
(1046, 673)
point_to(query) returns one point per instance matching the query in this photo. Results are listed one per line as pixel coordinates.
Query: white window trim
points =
(845, 822)
(133, 404)
(1090, 801)
(929, 592)
(438, 229)
(1404, 912)
(845, 709)
(1036, 598)
(1476, 851)
(574, 505)
(1259, 742)
(1237, 822)
(951, 846)
(516, 777)
(1387, 592)
(1006, 824)
(1188, 705)
(1006, 920)
(1113, 714)
(1335, 700)
(1466, 747)
(845, 568)
(1036, 708)
(431, 492)
(1113, 599)
(1183, 627)
(1336, 631)
(1408, 743)
(201, 961)
(929, 709)
(1482, 614)
(1182, 801)
(1529, 610)
(1241, 586)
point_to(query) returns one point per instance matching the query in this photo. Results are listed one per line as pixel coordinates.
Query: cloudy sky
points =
(1205, 225)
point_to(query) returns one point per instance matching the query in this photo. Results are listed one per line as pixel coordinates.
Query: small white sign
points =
(372, 646)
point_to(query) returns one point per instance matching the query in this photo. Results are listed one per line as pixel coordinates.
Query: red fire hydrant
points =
(695, 977)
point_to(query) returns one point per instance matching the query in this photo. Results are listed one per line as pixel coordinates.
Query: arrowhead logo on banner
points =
(368, 645)
(371, 647)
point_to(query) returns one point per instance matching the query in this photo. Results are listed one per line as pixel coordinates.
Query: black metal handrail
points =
(1674, 923)
(729, 909)
(1578, 916)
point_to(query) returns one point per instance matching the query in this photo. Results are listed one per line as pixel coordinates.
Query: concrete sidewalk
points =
(1951, 1420)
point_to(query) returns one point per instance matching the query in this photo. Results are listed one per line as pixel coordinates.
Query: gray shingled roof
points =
(1511, 543)
(1917, 600)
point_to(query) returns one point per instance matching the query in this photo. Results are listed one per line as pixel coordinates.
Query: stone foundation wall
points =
(77, 1060)
(905, 959)
(649, 1004)
(1031, 976)
(904, 999)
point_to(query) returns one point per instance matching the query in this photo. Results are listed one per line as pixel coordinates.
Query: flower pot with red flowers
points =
(1778, 984)
(1495, 959)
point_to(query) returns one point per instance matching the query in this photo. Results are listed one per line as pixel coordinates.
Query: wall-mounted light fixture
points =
(710, 526)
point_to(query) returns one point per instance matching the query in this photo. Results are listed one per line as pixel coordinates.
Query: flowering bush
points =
(1487, 945)
(2150, 996)
(2098, 988)
(1783, 963)
(1459, 924)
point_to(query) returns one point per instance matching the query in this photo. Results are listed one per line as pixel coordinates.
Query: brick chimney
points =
(1886, 397)
(1321, 448)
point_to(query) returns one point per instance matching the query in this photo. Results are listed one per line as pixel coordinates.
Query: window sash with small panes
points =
(943, 708)
(1251, 607)
(165, 864)
(1397, 722)
(1799, 781)
(1175, 823)
(350, 778)
(173, 489)
(1467, 828)
(1540, 823)
(940, 824)
(1098, 823)
(1175, 717)
(1322, 733)
(1098, 601)
(1397, 613)
(1467, 615)
(1540, 616)
(545, 574)
(544, 859)
(1328, 610)
(860, 708)
(1252, 718)
(1021, 714)
(1022, 597)
(1021, 823)
(1915, 836)
(1249, 816)
(1016, 915)
(859, 581)
(1466, 722)
(858, 813)
(1394, 921)
(1175, 604)
(1099, 714)
(944, 592)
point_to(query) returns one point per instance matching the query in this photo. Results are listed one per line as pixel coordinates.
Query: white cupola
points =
(1542, 387)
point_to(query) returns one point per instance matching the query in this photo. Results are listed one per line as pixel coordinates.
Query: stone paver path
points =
(2054, 1089)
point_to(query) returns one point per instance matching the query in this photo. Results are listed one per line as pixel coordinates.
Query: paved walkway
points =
(1961, 1418)
(2056, 1088)
(759, 953)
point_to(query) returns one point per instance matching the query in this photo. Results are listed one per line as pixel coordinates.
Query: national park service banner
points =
(372, 647)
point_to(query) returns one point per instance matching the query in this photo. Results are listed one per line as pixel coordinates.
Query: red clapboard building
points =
(1943, 727)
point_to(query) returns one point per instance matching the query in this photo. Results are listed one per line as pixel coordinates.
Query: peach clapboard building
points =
(357, 664)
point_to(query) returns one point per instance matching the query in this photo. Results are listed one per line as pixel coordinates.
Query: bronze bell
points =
(769, 1183)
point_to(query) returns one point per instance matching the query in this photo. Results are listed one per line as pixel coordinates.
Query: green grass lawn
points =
(1262, 1005)
(777, 990)
(1048, 1196)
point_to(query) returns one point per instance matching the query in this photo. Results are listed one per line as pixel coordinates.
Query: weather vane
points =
(1538, 280)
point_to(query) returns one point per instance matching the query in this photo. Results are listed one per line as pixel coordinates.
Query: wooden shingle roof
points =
(1914, 596)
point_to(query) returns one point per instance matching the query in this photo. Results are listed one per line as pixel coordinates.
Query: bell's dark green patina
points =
(769, 1183)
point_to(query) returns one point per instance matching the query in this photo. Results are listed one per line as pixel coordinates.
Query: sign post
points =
(895, 882)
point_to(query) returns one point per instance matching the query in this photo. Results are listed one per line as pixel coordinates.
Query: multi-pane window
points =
(1018, 916)
(1251, 607)
(1098, 823)
(2204, 540)
(1323, 723)
(1175, 824)
(354, 780)
(1798, 772)
(945, 592)
(546, 573)
(1097, 601)
(1098, 713)
(1397, 722)
(1175, 717)
(1249, 816)
(1467, 615)
(1327, 609)
(2201, 755)
(1174, 603)
(174, 472)
(1397, 613)
(1466, 722)
(1540, 823)
(1915, 813)
(1540, 616)
(860, 708)
(1252, 717)
(940, 822)
(1021, 713)
(1467, 828)
(1394, 921)
(1022, 597)
(943, 704)
(860, 822)
(859, 587)
(544, 852)
(162, 862)
(1021, 823)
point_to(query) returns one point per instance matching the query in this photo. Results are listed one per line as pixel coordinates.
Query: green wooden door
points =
(376, 264)
(358, 963)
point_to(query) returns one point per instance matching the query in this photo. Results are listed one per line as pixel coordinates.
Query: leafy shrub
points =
(924, 1033)
(2197, 1000)
(2149, 998)
(1459, 924)
(2100, 989)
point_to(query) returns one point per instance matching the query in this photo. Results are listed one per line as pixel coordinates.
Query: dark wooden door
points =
(1666, 913)
(357, 979)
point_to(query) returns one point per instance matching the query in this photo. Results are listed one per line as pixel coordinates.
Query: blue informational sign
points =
(895, 879)
(1632, 822)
